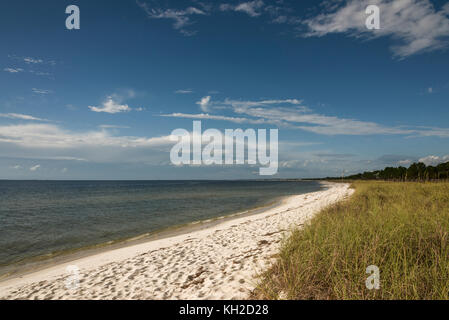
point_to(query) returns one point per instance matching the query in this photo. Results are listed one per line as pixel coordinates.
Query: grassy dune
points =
(401, 227)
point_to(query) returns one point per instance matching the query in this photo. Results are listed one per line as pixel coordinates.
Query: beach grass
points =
(400, 227)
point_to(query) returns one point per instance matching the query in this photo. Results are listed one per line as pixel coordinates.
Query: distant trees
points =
(443, 170)
(416, 172)
(391, 173)
(412, 172)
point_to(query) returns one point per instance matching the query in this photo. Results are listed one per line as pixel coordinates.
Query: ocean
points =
(41, 219)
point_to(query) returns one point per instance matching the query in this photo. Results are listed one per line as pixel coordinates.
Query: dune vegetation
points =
(400, 227)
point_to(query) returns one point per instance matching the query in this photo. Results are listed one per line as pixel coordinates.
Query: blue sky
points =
(101, 102)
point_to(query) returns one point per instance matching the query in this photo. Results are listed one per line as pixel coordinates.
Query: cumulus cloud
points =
(114, 103)
(111, 106)
(434, 160)
(204, 103)
(415, 24)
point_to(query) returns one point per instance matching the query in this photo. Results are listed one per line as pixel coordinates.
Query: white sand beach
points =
(220, 262)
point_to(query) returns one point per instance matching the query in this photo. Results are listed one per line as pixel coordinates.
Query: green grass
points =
(400, 227)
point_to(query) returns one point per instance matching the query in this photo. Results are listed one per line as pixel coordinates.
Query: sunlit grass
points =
(401, 227)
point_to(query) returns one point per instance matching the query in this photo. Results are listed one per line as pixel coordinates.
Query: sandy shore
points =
(220, 262)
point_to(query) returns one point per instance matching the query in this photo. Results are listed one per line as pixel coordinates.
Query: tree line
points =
(416, 172)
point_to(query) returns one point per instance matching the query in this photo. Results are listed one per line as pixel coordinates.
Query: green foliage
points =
(416, 172)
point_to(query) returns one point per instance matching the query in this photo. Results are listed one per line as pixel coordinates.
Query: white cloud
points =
(31, 63)
(206, 116)
(297, 116)
(430, 90)
(405, 163)
(111, 106)
(434, 160)
(204, 103)
(35, 168)
(432, 132)
(114, 103)
(40, 73)
(248, 104)
(62, 158)
(181, 18)
(30, 60)
(322, 124)
(18, 70)
(13, 70)
(41, 91)
(186, 91)
(112, 126)
(49, 142)
(226, 7)
(414, 23)
(52, 136)
(17, 167)
(20, 117)
(252, 8)
(280, 19)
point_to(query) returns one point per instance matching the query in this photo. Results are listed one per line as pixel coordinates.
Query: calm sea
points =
(41, 218)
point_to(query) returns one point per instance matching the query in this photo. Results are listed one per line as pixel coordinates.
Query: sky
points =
(101, 102)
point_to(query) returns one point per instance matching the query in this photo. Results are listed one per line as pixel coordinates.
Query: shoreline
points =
(191, 265)
(38, 263)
